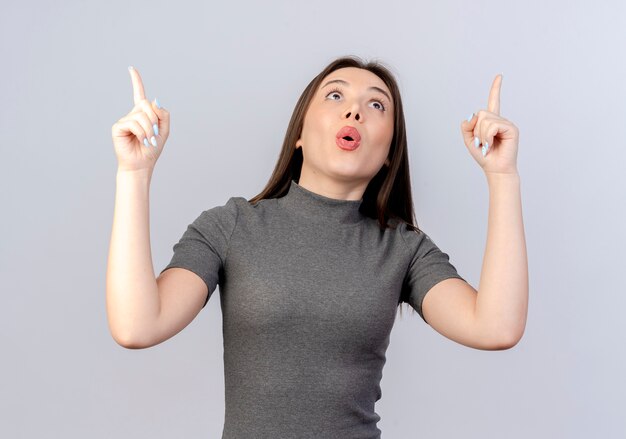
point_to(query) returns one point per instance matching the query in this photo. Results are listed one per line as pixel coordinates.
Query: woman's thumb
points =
(164, 118)
(467, 129)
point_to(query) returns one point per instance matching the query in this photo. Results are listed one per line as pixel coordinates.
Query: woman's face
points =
(348, 97)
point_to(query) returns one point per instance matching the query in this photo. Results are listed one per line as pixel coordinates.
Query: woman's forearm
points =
(132, 298)
(502, 301)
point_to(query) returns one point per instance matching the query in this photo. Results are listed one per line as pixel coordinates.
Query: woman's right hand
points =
(144, 121)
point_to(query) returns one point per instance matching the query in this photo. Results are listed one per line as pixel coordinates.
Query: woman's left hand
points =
(498, 136)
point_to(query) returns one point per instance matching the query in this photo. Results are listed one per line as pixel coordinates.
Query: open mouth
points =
(348, 138)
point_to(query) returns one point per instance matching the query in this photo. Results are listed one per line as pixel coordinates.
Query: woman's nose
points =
(349, 113)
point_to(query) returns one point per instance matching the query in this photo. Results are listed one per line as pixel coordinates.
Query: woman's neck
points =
(333, 188)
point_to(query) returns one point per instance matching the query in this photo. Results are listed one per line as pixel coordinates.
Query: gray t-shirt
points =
(309, 291)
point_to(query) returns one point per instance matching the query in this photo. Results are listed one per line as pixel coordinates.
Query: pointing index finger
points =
(138, 91)
(493, 104)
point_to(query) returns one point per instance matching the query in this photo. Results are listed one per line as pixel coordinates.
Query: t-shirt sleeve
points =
(204, 245)
(429, 266)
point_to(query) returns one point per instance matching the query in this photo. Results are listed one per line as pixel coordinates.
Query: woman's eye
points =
(380, 105)
(333, 93)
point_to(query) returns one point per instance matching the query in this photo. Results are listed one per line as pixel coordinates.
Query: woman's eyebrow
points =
(341, 81)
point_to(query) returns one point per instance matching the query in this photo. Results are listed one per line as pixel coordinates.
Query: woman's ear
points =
(387, 162)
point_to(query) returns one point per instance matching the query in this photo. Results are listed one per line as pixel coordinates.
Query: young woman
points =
(313, 269)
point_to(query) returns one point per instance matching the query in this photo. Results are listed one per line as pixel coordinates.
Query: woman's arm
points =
(495, 316)
(502, 301)
(132, 296)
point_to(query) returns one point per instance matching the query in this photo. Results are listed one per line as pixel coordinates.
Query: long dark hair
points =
(388, 195)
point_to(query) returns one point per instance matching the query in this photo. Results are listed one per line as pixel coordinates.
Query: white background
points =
(230, 74)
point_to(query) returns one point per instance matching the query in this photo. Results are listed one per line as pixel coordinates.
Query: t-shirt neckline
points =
(319, 208)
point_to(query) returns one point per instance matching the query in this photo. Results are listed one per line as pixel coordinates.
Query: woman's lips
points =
(348, 138)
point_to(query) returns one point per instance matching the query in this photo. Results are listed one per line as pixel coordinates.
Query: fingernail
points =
(131, 68)
(476, 142)
(145, 142)
(484, 150)
(470, 118)
(155, 127)
(156, 101)
(153, 141)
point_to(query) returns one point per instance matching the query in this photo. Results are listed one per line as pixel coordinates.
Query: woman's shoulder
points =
(245, 205)
(244, 209)
(410, 235)
(241, 203)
